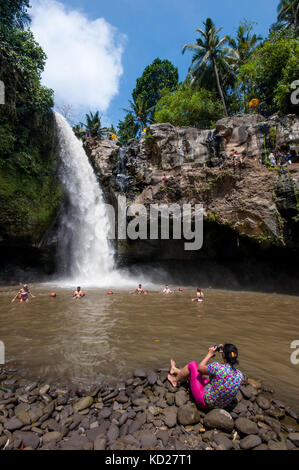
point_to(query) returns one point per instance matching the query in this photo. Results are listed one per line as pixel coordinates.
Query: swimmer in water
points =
(199, 295)
(23, 294)
(78, 293)
(139, 290)
(26, 288)
(167, 290)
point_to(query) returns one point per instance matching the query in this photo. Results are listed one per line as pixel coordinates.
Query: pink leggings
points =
(197, 384)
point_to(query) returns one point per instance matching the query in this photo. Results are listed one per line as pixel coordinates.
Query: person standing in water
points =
(139, 290)
(167, 290)
(221, 386)
(78, 293)
(199, 295)
(23, 294)
(26, 288)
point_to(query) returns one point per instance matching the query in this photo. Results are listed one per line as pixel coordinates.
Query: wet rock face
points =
(250, 135)
(172, 165)
(140, 415)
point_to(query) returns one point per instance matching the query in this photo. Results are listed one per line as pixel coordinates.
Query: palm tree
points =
(79, 131)
(245, 42)
(209, 50)
(140, 111)
(93, 125)
(288, 12)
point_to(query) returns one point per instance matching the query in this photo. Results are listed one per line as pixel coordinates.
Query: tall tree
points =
(127, 129)
(14, 13)
(140, 111)
(288, 12)
(245, 41)
(209, 49)
(93, 125)
(187, 107)
(158, 76)
(270, 71)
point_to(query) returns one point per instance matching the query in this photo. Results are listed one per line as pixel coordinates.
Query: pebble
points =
(294, 438)
(246, 426)
(83, 403)
(43, 390)
(50, 437)
(100, 443)
(249, 442)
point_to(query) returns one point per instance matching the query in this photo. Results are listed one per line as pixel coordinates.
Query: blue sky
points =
(159, 28)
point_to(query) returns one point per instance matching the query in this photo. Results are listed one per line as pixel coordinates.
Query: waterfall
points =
(85, 252)
(122, 178)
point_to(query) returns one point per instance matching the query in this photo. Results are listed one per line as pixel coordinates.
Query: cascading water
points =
(122, 178)
(85, 252)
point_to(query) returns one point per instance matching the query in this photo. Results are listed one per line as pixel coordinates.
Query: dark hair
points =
(231, 354)
(78, 288)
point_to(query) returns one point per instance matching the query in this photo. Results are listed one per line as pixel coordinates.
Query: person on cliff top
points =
(166, 290)
(23, 294)
(272, 159)
(288, 159)
(199, 295)
(78, 294)
(219, 389)
(237, 160)
(139, 290)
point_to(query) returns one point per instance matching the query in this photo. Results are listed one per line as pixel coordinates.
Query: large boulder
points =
(250, 442)
(246, 426)
(219, 419)
(188, 415)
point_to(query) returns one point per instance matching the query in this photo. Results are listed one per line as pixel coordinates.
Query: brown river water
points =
(103, 336)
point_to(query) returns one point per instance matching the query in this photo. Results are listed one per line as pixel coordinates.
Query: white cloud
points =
(84, 56)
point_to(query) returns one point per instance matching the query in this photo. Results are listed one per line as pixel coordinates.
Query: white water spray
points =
(85, 250)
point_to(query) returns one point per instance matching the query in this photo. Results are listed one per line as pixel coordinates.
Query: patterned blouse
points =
(224, 384)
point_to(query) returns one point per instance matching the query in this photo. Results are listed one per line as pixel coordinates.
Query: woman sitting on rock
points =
(224, 381)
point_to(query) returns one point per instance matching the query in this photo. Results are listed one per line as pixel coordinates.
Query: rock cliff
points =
(251, 209)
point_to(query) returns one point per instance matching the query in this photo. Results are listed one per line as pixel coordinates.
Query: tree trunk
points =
(141, 127)
(219, 87)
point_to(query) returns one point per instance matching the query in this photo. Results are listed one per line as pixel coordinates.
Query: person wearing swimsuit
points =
(26, 288)
(199, 295)
(139, 290)
(78, 293)
(167, 290)
(23, 294)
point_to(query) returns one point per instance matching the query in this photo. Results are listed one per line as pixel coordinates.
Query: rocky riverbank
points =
(144, 412)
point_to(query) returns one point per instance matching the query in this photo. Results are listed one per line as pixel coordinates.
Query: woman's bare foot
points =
(173, 367)
(172, 380)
